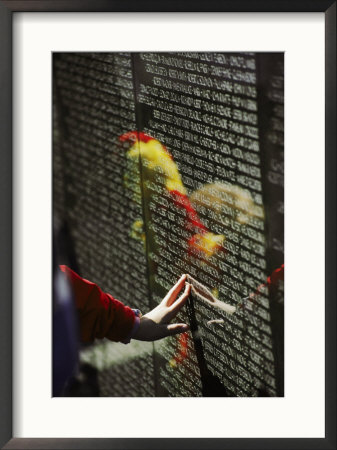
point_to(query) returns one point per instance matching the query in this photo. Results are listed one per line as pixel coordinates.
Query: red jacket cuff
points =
(100, 315)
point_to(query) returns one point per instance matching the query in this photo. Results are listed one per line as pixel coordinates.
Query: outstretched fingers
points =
(178, 304)
(174, 291)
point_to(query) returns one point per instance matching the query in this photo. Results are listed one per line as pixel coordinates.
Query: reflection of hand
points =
(155, 324)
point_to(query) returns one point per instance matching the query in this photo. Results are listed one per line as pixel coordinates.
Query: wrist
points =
(135, 326)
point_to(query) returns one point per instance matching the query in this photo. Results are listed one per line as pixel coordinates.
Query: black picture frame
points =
(7, 9)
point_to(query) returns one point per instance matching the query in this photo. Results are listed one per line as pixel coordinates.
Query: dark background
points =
(221, 118)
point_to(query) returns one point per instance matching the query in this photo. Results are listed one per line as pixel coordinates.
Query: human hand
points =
(155, 324)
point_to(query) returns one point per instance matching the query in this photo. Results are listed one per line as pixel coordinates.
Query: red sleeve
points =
(100, 315)
(276, 276)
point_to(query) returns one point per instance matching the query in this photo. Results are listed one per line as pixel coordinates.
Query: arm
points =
(100, 315)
